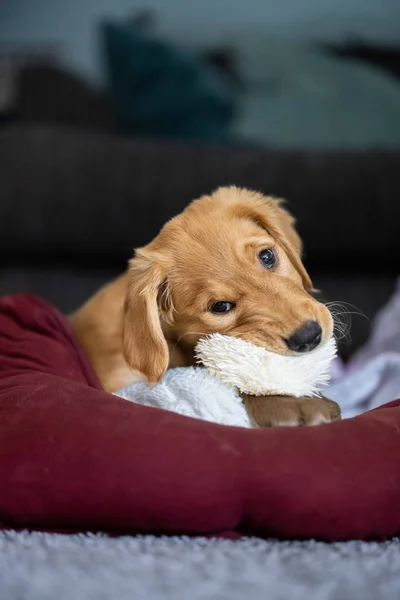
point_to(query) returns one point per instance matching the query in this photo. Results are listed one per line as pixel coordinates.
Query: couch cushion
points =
(125, 190)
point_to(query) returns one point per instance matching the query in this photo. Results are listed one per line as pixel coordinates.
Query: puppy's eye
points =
(222, 306)
(268, 258)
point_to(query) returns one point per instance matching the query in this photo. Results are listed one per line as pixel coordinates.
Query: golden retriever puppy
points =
(229, 263)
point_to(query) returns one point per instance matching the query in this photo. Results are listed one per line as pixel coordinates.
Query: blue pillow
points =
(158, 90)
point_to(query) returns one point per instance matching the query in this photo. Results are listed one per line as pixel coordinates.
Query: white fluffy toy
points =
(258, 372)
(232, 366)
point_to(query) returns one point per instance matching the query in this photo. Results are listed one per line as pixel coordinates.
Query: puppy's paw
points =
(286, 411)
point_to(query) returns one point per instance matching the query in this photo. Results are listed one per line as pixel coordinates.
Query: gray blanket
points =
(40, 566)
(372, 377)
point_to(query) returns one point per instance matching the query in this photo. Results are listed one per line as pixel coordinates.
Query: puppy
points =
(229, 263)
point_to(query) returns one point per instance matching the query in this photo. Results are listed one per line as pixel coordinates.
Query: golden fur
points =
(151, 317)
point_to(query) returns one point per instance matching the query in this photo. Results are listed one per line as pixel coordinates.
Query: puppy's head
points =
(230, 263)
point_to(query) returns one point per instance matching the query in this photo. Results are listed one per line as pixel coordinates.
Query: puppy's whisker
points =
(342, 318)
(342, 307)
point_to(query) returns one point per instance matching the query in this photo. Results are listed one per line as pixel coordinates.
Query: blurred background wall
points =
(71, 24)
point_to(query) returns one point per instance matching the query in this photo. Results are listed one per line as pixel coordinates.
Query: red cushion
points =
(74, 457)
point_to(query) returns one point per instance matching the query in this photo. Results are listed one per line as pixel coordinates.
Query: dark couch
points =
(76, 198)
(74, 204)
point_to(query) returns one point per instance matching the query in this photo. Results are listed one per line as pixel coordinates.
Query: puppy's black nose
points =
(305, 338)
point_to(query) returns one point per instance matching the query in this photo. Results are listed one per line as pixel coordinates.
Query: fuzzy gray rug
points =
(42, 566)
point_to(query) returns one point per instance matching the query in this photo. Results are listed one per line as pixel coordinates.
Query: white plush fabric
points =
(254, 370)
(45, 566)
(212, 394)
(193, 392)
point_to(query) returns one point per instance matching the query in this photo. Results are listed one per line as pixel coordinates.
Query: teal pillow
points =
(159, 90)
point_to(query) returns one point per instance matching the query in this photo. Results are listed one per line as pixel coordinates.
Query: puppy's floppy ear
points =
(287, 225)
(280, 224)
(145, 347)
(291, 242)
(269, 213)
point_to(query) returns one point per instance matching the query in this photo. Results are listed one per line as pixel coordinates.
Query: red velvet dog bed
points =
(74, 457)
